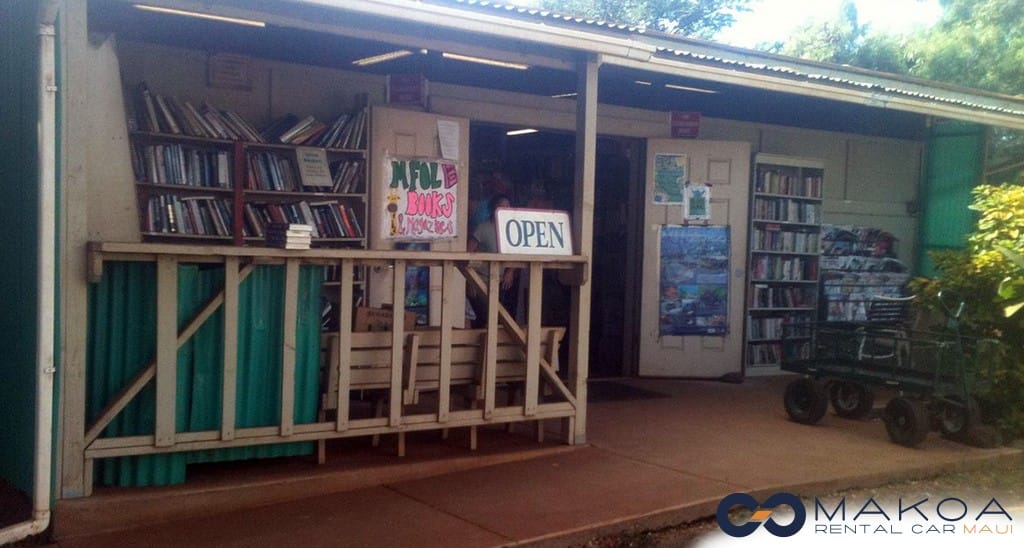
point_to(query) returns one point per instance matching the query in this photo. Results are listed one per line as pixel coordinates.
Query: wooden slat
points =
(533, 340)
(196, 441)
(397, 338)
(445, 359)
(229, 388)
(520, 336)
(291, 309)
(166, 349)
(410, 395)
(142, 378)
(344, 357)
(123, 250)
(491, 344)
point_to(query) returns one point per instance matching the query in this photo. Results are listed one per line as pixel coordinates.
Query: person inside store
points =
(484, 239)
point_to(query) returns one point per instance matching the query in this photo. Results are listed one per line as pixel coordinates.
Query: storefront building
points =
(179, 335)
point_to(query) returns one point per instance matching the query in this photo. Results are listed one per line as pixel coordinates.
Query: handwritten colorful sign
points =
(420, 200)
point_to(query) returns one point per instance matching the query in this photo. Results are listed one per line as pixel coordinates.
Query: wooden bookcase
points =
(199, 189)
(785, 232)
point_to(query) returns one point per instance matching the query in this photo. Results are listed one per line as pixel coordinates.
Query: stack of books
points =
(289, 235)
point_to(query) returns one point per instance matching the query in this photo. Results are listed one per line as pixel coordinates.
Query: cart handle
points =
(949, 300)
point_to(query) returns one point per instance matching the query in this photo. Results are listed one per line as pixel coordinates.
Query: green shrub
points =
(986, 276)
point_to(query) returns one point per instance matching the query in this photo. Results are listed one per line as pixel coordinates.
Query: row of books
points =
(165, 114)
(773, 238)
(783, 209)
(347, 176)
(776, 328)
(271, 171)
(192, 215)
(774, 353)
(181, 165)
(346, 131)
(776, 182)
(784, 268)
(327, 219)
(764, 296)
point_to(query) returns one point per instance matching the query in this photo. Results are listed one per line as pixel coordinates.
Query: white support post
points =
(344, 357)
(533, 342)
(491, 350)
(229, 388)
(291, 308)
(166, 349)
(583, 234)
(397, 343)
(445, 374)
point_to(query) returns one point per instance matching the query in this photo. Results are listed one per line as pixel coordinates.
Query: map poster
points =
(694, 286)
(669, 178)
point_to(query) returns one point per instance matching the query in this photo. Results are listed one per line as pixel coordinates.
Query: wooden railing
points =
(561, 401)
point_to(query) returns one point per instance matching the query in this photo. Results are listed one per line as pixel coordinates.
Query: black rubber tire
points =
(957, 419)
(805, 401)
(851, 400)
(906, 421)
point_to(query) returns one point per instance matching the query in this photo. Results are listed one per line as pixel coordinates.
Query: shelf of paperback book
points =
(301, 194)
(184, 236)
(182, 188)
(788, 196)
(786, 223)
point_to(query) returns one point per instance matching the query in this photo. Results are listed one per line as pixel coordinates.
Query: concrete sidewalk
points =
(650, 462)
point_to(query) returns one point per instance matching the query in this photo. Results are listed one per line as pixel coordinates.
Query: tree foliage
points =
(697, 18)
(977, 43)
(977, 274)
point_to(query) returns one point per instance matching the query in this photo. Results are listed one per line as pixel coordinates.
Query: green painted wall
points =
(19, 56)
(955, 160)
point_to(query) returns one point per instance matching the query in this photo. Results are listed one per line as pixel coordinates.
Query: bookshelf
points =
(204, 174)
(785, 232)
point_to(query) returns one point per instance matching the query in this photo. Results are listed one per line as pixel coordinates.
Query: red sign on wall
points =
(685, 125)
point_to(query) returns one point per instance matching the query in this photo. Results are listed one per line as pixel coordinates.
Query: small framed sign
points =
(697, 202)
(229, 71)
(533, 231)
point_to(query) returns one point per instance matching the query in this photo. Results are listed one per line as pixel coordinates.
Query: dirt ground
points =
(1005, 482)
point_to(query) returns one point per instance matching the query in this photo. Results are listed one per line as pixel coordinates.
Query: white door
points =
(679, 304)
(411, 134)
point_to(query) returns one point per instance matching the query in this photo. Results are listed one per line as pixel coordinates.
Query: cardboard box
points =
(380, 319)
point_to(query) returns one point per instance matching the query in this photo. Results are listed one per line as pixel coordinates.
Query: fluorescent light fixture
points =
(200, 15)
(643, 82)
(687, 88)
(484, 61)
(374, 59)
(564, 95)
(525, 131)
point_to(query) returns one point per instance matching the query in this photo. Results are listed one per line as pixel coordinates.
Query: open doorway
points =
(537, 170)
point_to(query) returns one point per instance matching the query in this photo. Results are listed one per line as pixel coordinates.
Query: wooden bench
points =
(370, 362)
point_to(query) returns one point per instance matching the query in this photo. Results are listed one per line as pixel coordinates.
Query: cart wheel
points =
(806, 401)
(906, 421)
(957, 418)
(851, 400)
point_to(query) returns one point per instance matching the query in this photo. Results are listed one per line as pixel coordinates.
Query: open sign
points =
(533, 231)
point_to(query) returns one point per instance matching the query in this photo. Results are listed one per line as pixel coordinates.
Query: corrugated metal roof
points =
(545, 14)
(758, 62)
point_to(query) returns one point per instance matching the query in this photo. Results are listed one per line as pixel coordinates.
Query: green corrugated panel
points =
(19, 186)
(955, 159)
(122, 341)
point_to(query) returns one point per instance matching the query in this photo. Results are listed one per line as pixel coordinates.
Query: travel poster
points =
(694, 286)
(669, 178)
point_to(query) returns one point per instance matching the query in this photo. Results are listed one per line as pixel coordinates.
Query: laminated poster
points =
(669, 178)
(694, 286)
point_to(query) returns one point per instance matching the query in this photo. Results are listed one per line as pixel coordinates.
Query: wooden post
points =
(448, 279)
(229, 387)
(583, 235)
(397, 343)
(166, 349)
(491, 347)
(345, 307)
(533, 335)
(291, 309)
